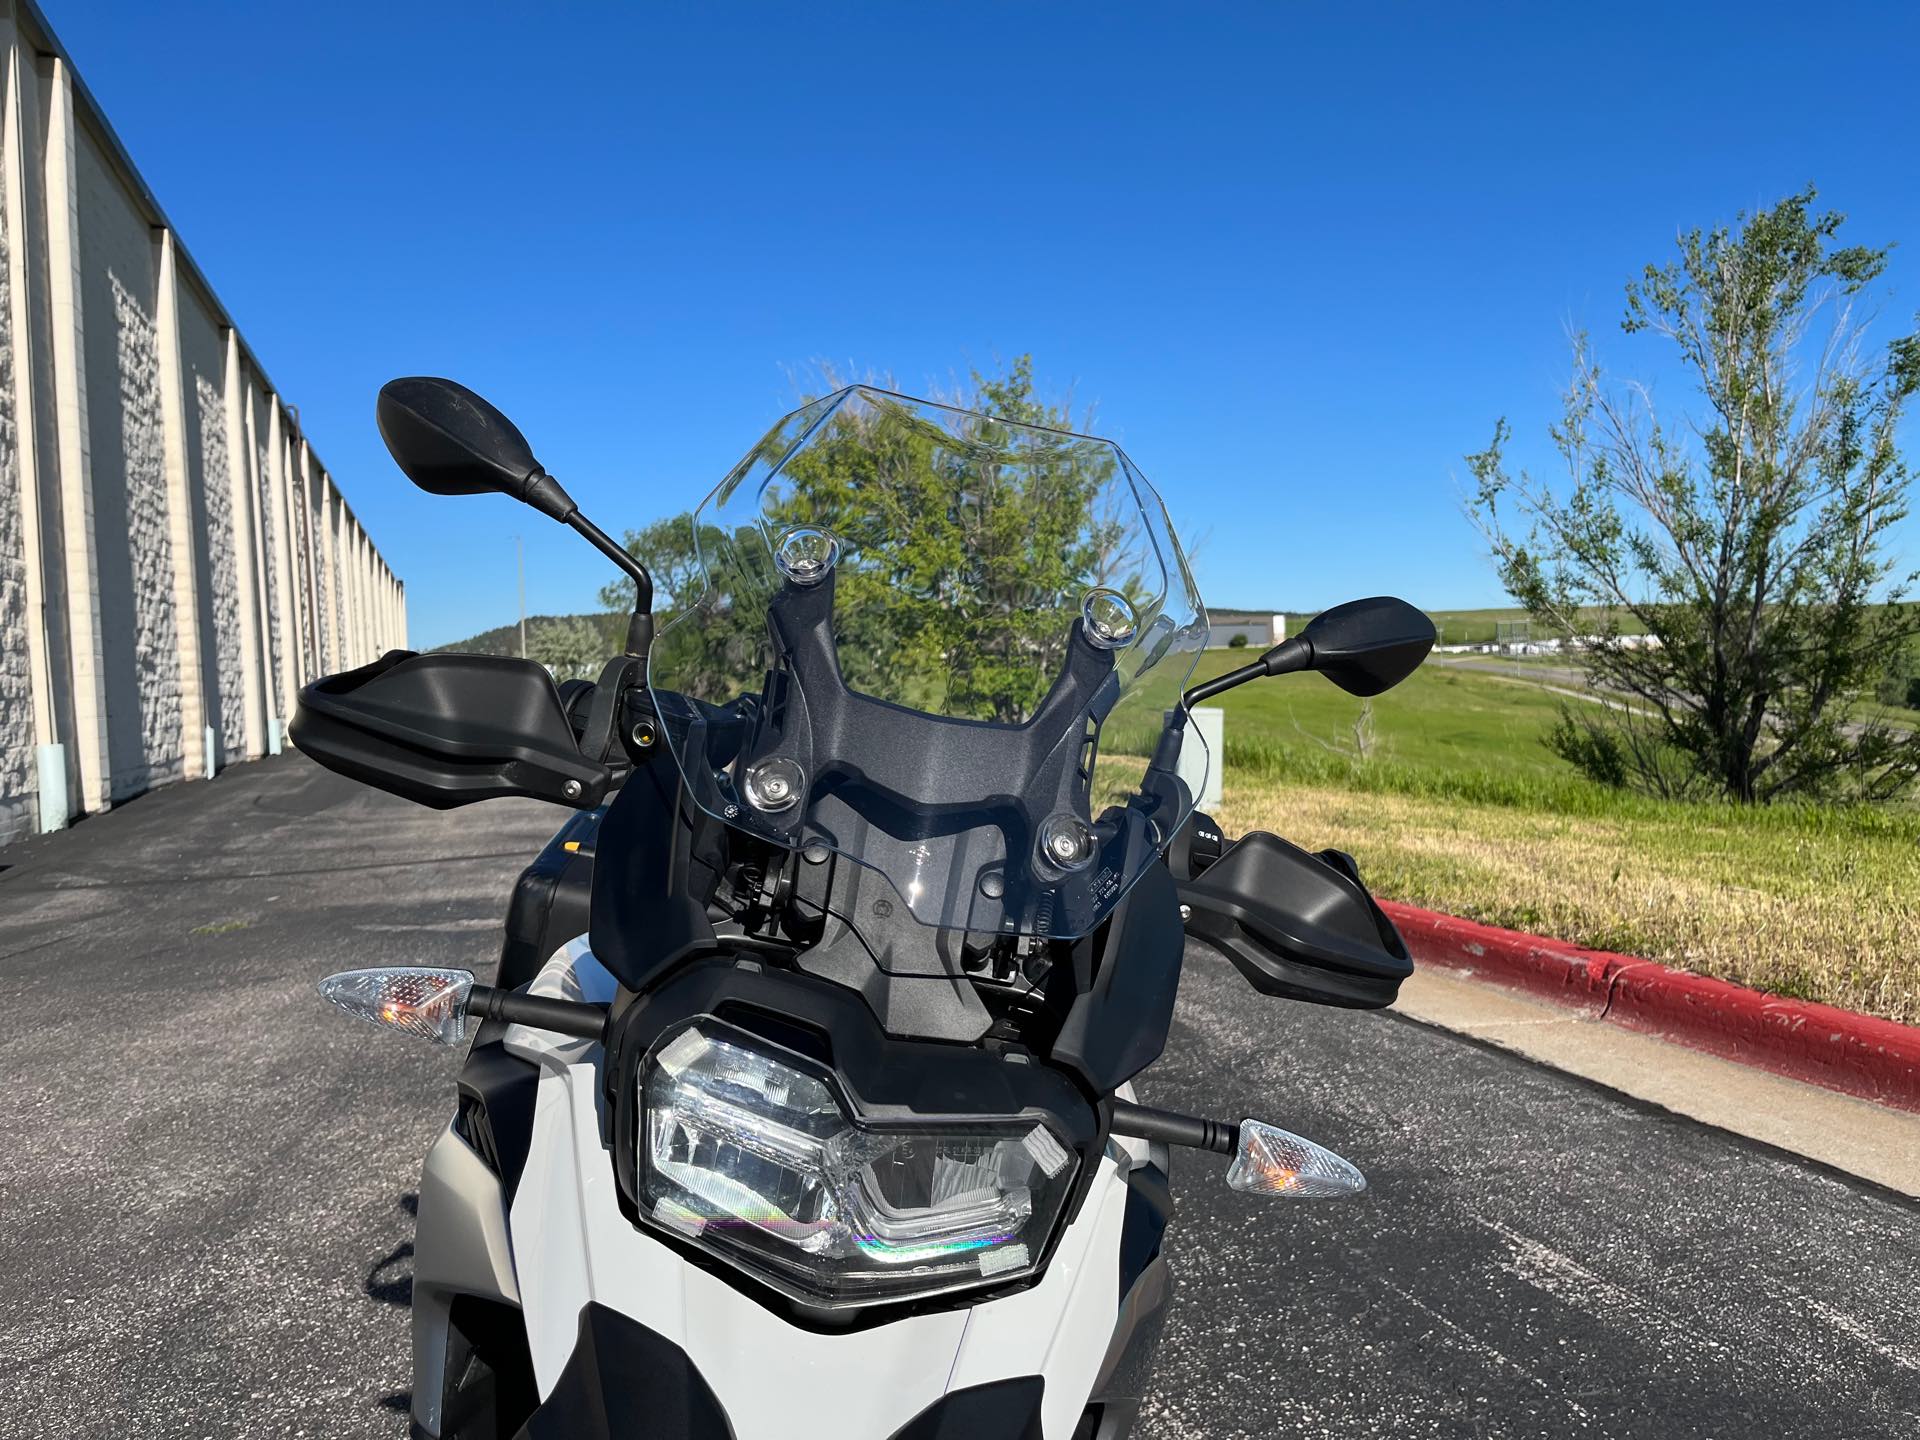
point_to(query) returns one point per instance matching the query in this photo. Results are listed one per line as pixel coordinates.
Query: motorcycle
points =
(802, 1101)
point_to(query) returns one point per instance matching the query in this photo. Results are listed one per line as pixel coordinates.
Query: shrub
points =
(1900, 685)
(1238, 642)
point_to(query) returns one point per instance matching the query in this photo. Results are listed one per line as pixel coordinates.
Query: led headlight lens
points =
(756, 1158)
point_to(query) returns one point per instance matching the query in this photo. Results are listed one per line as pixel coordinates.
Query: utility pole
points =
(520, 551)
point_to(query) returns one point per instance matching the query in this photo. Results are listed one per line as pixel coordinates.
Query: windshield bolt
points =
(643, 734)
(571, 789)
(815, 854)
(883, 908)
(730, 812)
(1108, 618)
(993, 886)
(775, 784)
(1066, 842)
(805, 554)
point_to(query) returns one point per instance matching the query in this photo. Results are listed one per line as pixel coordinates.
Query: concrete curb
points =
(1856, 1054)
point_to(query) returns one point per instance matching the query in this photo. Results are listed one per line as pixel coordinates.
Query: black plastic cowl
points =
(624, 1381)
(616, 1362)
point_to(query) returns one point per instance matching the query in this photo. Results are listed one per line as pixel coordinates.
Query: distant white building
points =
(1262, 630)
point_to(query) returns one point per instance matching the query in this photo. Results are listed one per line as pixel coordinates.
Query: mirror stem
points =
(640, 633)
(607, 546)
(1285, 658)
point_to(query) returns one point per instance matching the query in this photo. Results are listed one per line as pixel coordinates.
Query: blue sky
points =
(1301, 257)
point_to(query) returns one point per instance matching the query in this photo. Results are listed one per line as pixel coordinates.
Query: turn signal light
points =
(418, 1000)
(1272, 1161)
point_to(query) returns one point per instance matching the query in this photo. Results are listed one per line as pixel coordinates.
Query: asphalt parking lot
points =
(208, 1175)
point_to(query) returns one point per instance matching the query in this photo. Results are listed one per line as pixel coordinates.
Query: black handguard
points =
(1297, 925)
(449, 729)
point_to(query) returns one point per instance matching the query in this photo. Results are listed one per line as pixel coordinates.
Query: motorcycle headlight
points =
(753, 1154)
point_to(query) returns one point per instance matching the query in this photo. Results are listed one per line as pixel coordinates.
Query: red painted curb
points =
(1857, 1054)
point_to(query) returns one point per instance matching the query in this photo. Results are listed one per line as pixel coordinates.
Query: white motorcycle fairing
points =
(575, 1254)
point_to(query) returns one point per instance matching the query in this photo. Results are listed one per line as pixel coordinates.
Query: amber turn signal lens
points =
(1272, 1161)
(417, 1000)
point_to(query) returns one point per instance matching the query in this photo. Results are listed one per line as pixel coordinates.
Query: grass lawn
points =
(1437, 720)
(1461, 808)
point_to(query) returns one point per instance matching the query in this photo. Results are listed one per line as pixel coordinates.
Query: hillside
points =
(505, 639)
(1456, 627)
(1475, 627)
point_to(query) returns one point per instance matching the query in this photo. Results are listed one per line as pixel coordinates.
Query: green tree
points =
(666, 548)
(571, 646)
(964, 542)
(1747, 540)
(1901, 684)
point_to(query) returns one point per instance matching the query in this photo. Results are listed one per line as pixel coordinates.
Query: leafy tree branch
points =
(1738, 558)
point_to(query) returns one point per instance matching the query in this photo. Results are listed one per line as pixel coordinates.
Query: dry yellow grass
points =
(1821, 915)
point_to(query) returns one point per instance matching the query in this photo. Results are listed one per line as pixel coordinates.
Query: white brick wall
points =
(227, 712)
(191, 561)
(270, 542)
(223, 678)
(129, 483)
(17, 778)
(336, 576)
(303, 575)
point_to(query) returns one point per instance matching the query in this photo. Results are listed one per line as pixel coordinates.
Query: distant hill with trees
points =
(572, 646)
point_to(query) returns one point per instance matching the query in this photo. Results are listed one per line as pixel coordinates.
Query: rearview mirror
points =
(1363, 646)
(1367, 646)
(450, 441)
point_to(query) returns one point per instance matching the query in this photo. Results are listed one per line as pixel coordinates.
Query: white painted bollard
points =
(1202, 767)
(213, 753)
(273, 734)
(54, 811)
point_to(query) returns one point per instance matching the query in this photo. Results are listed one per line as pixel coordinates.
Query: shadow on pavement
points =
(390, 1280)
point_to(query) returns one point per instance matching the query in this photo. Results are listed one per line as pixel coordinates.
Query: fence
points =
(175, 561)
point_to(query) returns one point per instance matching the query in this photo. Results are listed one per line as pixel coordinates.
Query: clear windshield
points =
(942, 645)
